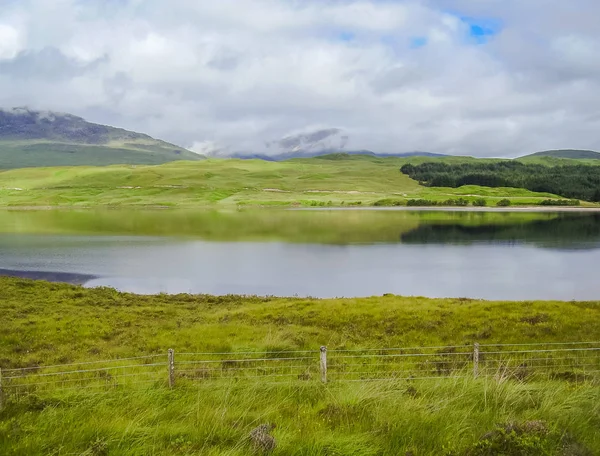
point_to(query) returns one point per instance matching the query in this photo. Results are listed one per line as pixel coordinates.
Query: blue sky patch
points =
(418, 42)
(481, 30)
(347, 36)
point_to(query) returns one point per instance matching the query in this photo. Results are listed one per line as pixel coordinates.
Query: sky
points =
(497, 78)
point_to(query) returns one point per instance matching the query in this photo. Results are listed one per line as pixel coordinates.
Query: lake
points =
(513, 256)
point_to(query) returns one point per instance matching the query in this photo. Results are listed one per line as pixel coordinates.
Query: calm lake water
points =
(323, 253)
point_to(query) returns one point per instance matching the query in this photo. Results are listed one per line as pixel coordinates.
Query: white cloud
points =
(208, 148)
(236, 75)
(10, 42)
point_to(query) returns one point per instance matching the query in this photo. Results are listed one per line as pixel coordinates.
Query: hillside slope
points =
(35, 138)
(356, 180)
(576, 154)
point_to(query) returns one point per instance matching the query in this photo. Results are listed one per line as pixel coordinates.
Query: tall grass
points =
(379, 418)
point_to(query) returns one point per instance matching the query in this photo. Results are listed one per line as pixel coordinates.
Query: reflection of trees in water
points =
(565, 231)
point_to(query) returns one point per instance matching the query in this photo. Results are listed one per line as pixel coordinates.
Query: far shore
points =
(320, 208)
(456, 209)
(49, 276)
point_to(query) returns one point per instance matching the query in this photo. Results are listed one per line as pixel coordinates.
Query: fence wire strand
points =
(116, 360)
(569, 360)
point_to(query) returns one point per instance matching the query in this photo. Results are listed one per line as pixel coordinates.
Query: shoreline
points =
(291, 207)
(81, 280)
(70, 278)
(454, 209)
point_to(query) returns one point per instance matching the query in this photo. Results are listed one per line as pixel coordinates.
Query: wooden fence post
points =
(476, 359)
(324, 364)
(1, 391)
(171, 368)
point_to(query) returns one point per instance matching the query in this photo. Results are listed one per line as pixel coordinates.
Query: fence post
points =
(324, 364)
(1, 391)
(171, 368)
(476, 359)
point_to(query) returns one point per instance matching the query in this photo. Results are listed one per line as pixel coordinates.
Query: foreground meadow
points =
(45, 324)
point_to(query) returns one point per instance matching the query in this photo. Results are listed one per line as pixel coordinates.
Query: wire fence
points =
(84, 375)
(281, 365)
(570, 361)
(578, 361)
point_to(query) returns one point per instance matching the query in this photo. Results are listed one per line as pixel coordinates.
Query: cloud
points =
(327, 138)
(9, 42)
(209, 148)
(48, 64)
(493, 78)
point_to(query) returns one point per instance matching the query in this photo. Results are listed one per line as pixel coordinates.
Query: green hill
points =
(576, 154)
(233, 182)
(36, 138)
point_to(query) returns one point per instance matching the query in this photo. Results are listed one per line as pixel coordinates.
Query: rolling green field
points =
(45, 324)
(323, 181)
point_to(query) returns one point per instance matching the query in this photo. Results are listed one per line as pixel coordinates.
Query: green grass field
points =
(44, 324)
(356, 180)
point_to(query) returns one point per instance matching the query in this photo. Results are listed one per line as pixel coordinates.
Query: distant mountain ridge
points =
(44, 138)
(320, 153)
(30, 138)
(576, 154)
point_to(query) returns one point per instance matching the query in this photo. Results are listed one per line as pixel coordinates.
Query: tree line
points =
(570, 181)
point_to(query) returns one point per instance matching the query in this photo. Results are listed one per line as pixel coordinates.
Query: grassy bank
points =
(353, 181)
(44, 324)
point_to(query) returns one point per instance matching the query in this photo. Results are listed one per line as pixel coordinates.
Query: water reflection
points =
(564, 231)
(568, 230)
(493, 256)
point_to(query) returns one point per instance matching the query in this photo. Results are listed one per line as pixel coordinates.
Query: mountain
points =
(567, 153)
(31, 138)
(320, 153)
